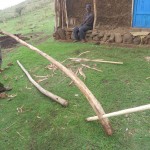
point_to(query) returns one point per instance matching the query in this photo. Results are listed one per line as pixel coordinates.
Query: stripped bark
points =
(42, 90)
(83, 88)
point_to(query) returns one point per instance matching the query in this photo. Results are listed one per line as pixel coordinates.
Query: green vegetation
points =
(46, 125)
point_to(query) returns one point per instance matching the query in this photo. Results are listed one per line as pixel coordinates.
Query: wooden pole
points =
(95, 60)
(56, 15)
(42, 90)
(95, 13)
(83, 88)
(122, 112)
(66, 13)
(62, 11)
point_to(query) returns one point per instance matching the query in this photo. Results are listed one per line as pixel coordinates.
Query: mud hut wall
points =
(115, 13)
(76, 11)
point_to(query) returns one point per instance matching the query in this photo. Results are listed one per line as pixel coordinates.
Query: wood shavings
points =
(41, 80)
(82, 73)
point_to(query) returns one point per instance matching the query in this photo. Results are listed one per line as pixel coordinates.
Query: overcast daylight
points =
(9, 3)
(74, 74)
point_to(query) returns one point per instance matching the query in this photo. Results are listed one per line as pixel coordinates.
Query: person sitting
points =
(80, 32)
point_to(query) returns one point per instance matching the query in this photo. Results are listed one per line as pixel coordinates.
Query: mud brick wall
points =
(76, 9)
(115, 13)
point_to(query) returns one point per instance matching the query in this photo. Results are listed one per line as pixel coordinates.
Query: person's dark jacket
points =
(88, 19)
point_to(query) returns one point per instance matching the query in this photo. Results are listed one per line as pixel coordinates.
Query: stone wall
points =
(107, 36)
(115, 13)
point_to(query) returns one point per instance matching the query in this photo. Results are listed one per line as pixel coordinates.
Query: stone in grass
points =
(118, 38)
(137, 40)
(127, 38)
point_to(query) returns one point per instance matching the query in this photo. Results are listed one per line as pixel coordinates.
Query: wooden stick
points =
(95, 60)
(83, 53)
(83, 88)
(62, 11)
(56, 15)
(95, 13)
(86, 66)
(122, 112)
(66, 12)
(45, 92)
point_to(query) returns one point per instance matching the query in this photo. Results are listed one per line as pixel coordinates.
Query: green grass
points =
(41, 20)
(117, 87)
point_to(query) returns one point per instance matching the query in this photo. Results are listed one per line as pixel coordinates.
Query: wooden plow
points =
(95, 104)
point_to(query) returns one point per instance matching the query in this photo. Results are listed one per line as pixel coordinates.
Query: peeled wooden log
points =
(42, 90)
(94, 60)
(83, 88)
(122, 112)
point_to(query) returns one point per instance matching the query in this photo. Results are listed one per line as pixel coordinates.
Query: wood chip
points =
(83, 53)
(147, 58)
(76, 73)
(41, 76)
(41, 80)
(12, 96)
(82, 73)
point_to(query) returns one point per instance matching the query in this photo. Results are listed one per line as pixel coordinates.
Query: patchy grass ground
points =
(44, 124)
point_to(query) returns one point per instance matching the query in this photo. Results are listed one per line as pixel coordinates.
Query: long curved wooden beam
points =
(83, 88)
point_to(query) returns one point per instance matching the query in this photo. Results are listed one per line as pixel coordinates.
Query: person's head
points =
(88, 7)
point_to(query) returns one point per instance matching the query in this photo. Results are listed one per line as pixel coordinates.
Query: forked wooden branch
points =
(83, 88)
(122, 112)
(42, 90)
